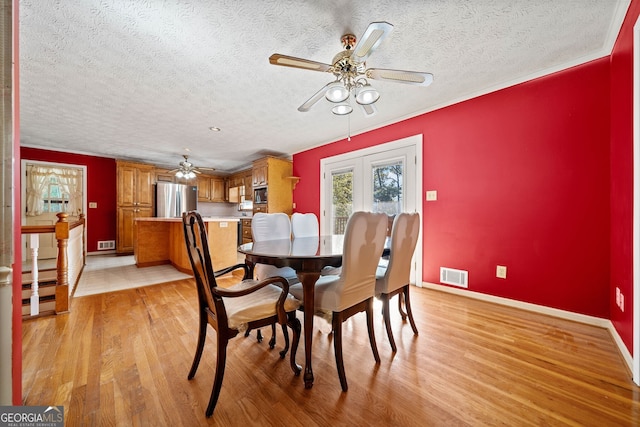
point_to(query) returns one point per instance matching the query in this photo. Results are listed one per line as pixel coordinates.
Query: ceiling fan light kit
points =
(186, 169)
(336, 92)
(351, 74)
(366, 94)
(342, 109)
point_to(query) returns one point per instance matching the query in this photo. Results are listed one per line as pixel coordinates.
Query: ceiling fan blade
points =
(399, 76)
(291, 61)
(369, 109)
(315, 98)
(173, 170)
(370, 40)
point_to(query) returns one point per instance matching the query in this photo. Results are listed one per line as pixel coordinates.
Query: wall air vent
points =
(451, 276)
(106, 245)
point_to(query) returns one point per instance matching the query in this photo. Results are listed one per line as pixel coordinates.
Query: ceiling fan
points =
(187, 170)
(351, 75)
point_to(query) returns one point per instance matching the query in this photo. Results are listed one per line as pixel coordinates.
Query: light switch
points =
(432, 195)
(223, 225)
(93, 205)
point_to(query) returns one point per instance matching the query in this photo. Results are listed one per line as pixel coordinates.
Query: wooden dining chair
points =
(248, 304)
(392, 278)
(352, 291)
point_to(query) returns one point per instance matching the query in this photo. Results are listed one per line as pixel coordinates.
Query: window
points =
(54, 198)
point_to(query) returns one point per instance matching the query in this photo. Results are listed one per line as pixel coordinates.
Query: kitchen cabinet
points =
(247, 237)
(163, 175)
(239, 186)
(260, 172)
(161, 241)
(211, 189)
(248, 185)
(274, 174)
(134, 200)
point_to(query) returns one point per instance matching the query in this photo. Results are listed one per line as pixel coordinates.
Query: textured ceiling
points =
(145, 79)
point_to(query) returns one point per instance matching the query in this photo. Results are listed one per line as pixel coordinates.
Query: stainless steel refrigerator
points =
(173, 199)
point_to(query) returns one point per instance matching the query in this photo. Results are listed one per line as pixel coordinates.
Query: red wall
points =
(621, 202)
(101, 188)
(522, 176)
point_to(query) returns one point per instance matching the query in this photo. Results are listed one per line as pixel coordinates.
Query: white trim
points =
(416, 141)
(636, 203)
(541, 309)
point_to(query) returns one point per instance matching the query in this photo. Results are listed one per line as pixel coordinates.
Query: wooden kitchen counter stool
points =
(246, 305)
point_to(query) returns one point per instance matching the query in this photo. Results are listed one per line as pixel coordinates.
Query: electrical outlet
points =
(621, 302)
(501, 272)
(432, 195)
(93, 205)
(618, 296)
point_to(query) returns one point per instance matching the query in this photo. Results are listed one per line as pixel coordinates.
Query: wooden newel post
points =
(62, 265)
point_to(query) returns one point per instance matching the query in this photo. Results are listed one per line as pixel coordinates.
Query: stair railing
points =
(73, 255)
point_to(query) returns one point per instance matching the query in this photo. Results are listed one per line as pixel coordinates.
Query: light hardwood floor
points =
(122, 358)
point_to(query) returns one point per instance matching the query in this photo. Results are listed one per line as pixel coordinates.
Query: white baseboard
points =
(562, 314)
(111, 252)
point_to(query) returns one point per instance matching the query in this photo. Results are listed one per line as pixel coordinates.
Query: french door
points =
(381, 179)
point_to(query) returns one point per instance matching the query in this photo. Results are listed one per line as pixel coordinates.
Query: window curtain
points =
(71, 182)
(38, 177)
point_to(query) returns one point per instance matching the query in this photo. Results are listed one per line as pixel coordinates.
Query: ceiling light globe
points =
(367, 95)
(342, 109)
(336, 93)
(179, 174)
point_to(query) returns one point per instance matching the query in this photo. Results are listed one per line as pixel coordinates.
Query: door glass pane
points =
(387, 188)
(341, 200)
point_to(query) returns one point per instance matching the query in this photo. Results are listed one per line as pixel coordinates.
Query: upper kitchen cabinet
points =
(135, 200)
(164, 175)
(259, 172)
(211, 188)
(248, 184)
(273, 177)
(239, 186)
(135, 184)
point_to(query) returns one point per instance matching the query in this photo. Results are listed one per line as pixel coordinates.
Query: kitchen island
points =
(161, 241)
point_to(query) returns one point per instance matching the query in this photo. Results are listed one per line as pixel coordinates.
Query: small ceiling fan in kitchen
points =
(351, 73)
(187, 170)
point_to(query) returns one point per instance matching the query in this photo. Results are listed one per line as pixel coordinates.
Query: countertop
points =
(204, 219)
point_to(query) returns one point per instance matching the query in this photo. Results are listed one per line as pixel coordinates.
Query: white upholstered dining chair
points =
(272, 226)
(352, 291)
(393, 278)
(305, 225)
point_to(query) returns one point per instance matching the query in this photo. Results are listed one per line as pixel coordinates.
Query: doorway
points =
(383, 178)
(48, 189)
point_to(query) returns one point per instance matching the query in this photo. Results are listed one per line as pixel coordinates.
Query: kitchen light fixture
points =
(186, 169)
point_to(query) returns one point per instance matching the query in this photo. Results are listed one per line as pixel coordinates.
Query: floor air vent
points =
(451, 276)
(106, 245)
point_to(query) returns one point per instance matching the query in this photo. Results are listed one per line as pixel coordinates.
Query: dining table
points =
(307, 256)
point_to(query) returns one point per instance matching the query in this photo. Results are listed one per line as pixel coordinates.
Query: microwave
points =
(260, 195)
